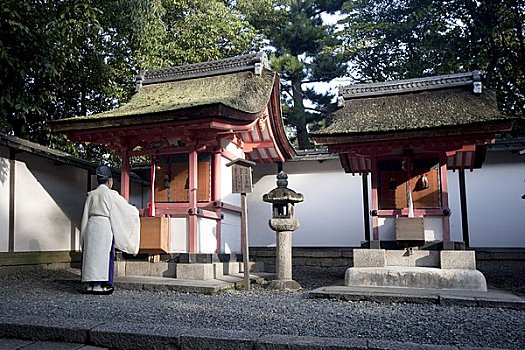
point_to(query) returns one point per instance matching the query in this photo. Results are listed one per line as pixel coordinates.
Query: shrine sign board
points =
(241, 175)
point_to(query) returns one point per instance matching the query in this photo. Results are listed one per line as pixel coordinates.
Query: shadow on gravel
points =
(514, 282)
(64, 281)
(315, 277)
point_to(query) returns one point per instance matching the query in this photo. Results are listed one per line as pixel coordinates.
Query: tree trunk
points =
(298, 109)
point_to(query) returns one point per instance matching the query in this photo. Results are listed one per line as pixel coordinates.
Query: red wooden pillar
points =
(444, 196)
(375, 200)
(216, 194)
(152, 189)
(124, 175)
(192, 219)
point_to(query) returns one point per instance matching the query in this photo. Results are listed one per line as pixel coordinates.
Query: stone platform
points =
(445, 297)
(210, 286)
(415, 277)
(413, 268)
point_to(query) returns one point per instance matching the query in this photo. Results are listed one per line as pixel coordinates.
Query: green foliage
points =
(63, 58)
(404, 39)
(187, 31)
(305, 50)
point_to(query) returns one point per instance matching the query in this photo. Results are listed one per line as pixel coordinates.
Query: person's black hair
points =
(103, 174)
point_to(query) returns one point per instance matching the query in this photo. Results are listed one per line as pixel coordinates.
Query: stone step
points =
(445, 259)
(415, 277)
(421, 258)
(185, 271)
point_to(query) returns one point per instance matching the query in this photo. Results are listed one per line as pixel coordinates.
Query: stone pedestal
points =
(283, 258)
(283, 263)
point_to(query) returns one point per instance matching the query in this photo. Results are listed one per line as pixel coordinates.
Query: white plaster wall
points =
(231, 233)
(49, 200)
(331, 215)
(4, 199)
(207, 235)
(226, 175)
(495, 208)
(433, 227)
(231, 223)
(387, 229)
(178, 235)
(456, 233)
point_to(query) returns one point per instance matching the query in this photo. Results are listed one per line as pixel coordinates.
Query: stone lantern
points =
(283, 222)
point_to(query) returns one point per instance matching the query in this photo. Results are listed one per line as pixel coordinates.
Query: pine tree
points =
(413, 38)
(305, 50)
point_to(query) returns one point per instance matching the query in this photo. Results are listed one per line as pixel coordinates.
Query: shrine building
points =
(406, 134)
(189, 122)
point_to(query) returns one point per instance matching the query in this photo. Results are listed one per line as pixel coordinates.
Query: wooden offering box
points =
(154, 235)
(410, 229)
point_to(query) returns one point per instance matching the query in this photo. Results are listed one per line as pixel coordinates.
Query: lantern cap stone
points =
(282, 194)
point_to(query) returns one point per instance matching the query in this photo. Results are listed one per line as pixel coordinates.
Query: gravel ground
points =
(268, 312)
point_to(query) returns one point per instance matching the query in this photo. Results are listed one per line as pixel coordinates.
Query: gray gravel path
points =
(269, 312)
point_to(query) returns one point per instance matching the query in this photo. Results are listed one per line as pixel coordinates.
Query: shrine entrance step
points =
(211, 287)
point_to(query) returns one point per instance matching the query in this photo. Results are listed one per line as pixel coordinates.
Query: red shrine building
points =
(189, 122)
(406, 134)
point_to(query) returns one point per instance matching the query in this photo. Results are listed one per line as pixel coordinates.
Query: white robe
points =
(107, 216)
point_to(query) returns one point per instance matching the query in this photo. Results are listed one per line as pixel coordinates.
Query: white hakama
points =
(107, 218)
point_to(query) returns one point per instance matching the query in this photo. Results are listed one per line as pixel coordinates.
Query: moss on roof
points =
(413, 111)
(242, 91)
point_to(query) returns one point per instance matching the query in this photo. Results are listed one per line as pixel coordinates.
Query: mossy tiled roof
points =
(413, 111)
(243, 91)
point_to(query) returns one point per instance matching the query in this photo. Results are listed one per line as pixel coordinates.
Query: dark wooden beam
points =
(463, 203)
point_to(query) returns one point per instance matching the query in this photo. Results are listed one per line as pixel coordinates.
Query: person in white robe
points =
(108, 222)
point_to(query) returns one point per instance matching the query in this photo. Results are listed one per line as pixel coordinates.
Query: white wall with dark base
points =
(48, 204)
(332, 211)
(495, 208)
(4, 199)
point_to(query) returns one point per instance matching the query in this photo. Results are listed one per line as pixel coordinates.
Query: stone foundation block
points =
(137, 268)
(458, 259)
(144, 268)
(423, 258)
(218, 270)
(162, 269)
(230, 268)
(120, 268)
(415, 277)
(253, 266)
(369, 258)
(200, 272)
(284, 285)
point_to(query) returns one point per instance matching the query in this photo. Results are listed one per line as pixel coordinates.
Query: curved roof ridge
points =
(409, 85)
(255, 61)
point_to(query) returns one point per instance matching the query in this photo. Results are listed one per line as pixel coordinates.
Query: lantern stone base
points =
(284, 285)
(415, 277)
